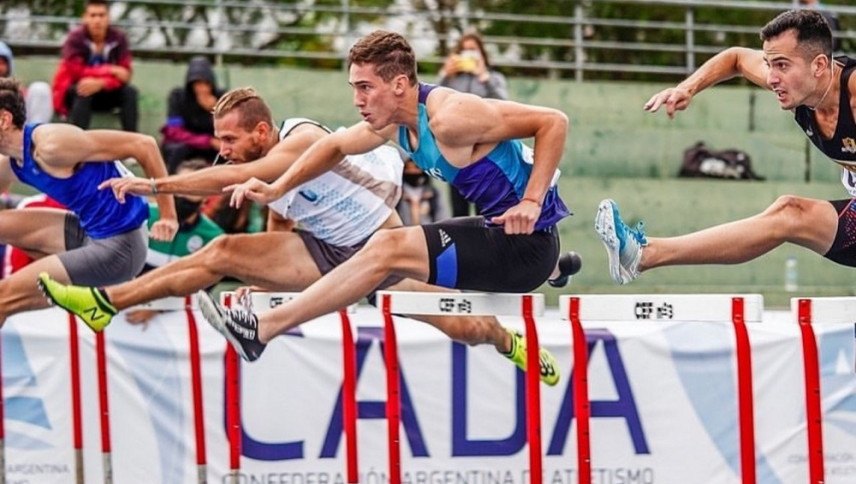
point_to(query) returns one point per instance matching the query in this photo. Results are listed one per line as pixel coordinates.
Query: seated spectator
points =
(37, 94)
(95, 71)
(189, 129)
(420, 201)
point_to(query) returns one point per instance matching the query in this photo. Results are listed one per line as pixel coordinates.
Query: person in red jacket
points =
(94, 73)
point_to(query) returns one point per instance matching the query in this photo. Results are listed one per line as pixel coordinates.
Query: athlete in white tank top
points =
(346, 205)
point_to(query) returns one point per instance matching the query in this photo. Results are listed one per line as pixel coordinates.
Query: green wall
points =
(614, 149)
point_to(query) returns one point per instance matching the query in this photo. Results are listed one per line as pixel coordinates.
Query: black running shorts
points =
(464, 254)
(843, 250)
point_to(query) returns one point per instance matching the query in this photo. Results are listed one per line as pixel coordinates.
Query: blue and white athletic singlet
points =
(347, 204)
(101, 215)
(494, 183)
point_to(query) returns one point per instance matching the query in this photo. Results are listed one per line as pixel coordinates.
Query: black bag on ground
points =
(732, 164)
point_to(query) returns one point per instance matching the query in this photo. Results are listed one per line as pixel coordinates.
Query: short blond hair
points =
(251, 107)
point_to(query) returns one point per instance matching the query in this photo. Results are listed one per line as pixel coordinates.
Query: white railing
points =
(576, 44)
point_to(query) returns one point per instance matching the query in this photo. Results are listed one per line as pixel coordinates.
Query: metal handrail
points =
(46, 32)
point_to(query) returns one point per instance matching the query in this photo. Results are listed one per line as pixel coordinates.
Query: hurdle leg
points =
(101, 361)
(813, 407)
(533, 392)
(393, 397)
(233, 405)
(581, 404)
(745, 403)
(349, 397)
(196, 385)
(77, 418)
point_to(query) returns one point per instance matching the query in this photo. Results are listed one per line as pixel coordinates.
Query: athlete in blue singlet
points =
(796, 64)
(98, 240)
(472, 142)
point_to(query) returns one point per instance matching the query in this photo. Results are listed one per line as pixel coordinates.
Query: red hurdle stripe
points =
(76, 417)
(233, 403)
(746, 407)
(814, 416)
(196, 386)
(349, 397)
(104, 401)
(393, 397)
(533, 392)
(581, 404)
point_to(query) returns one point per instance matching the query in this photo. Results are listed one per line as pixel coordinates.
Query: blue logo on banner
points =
(17, 373)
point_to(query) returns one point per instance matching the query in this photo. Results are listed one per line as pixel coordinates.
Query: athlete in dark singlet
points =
(796, 65)
(99, 240)
(468, 140)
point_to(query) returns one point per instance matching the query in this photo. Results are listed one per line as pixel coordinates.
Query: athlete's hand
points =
(519, 219)
(675, 99)
(125, 185)
(164, 229)
(252, 189)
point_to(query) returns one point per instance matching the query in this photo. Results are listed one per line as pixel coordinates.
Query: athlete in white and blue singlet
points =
(514, 247)
(98, 240)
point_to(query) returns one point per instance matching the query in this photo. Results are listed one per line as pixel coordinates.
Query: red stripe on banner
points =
(393, 398)
(814, 416)
(746, 406)
(349, 397)
(233, 402)
(582, 406)
(76, 418)
(533, 392)
(196, 381)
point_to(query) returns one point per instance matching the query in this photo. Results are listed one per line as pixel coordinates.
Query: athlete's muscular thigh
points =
(278, 261)
(34, 229)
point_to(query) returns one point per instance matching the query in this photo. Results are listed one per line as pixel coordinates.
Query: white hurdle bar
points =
(462, 304)
(809, 311)
(264, 301)
(739, 309)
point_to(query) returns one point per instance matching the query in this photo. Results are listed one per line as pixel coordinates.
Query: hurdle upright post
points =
(233, 401)
(463, 304)
(807, 312)
(104, 405)
(76, 408)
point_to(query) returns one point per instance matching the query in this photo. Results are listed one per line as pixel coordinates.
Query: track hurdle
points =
(739, 309)
(462, 304)
(188, 304)
(262, 301)
(809, 311)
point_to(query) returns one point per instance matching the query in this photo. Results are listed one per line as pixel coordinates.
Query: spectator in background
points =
(831, 19)
(189, 129)
(94, 73)
(420, 201)
(37, 95)
(468, 69)
(195, 230)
